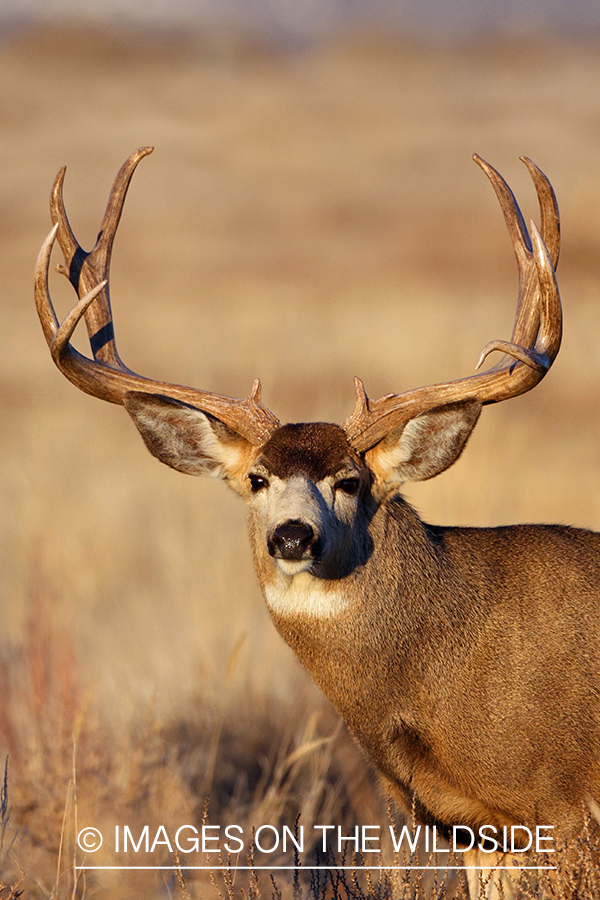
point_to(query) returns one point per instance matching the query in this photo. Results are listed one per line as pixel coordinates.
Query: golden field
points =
(305, 217)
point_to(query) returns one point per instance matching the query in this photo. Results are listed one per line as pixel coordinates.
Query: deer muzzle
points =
(294, 540)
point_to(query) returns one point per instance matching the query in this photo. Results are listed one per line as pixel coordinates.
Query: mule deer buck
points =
(465, 661)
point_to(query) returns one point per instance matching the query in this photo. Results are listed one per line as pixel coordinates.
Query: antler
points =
(536, 335)
(534, 345)
(105, 376)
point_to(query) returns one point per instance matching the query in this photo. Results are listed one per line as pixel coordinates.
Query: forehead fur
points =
(316, 449)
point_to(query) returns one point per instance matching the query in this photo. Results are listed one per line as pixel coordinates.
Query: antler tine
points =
(43, 302)
(527, 314)
(549, 215)
(536, 335)
(106, 376)
(57, 336)
(510, 210)
(85, 270)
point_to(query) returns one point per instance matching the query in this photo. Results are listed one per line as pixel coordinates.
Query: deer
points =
(464, 661)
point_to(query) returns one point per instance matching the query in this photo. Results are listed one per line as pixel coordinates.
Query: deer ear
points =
(423, 446)
(187, 439)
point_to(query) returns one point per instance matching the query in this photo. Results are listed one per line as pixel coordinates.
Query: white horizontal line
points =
(318, 868)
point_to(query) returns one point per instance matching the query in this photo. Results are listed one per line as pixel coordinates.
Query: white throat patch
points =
(304, 595)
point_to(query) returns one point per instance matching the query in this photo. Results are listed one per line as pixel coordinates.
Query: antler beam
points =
(106, 376)
(528, 356)
(536, 335)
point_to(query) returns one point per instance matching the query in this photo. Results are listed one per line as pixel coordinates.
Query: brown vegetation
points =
(305, 218)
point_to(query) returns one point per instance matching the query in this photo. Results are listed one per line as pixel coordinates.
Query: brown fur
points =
(461, 642)
(317, 449)
(465, 661)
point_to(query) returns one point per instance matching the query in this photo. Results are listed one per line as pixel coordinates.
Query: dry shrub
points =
(69, 769)
(252, 765)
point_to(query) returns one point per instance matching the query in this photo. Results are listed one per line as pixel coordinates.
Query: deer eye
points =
(348, 486)
(257, 483)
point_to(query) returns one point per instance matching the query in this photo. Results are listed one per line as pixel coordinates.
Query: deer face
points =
(307, 487)
(310, 494)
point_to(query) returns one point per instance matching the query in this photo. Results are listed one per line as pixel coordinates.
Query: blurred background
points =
(311, 212)
(315, 19)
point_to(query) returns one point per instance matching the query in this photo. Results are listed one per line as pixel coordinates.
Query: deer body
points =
(475, 695)
(465, 661)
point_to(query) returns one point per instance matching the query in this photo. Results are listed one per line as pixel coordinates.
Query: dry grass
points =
(305, 218)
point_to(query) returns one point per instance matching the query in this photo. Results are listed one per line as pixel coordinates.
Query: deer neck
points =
(342, 629)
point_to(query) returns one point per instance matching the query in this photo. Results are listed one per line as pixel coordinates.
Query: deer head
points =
(306, 485)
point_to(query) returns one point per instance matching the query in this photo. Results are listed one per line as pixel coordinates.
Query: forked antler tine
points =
(57, 336)
(527, 314)
(536, 335)
(85, 270)
(106, 377)
(528, 310)
(549, 333)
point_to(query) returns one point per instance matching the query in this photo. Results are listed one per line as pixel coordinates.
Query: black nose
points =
(291, 540)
